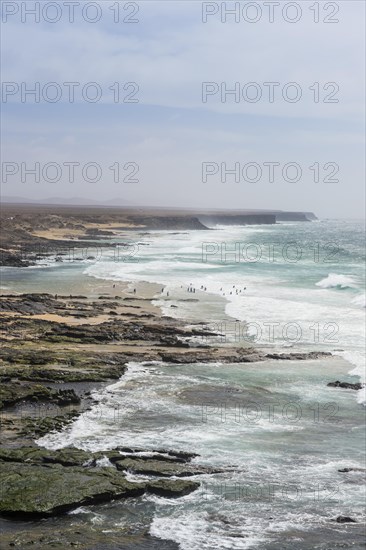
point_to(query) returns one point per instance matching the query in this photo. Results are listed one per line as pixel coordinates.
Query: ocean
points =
(277, 430)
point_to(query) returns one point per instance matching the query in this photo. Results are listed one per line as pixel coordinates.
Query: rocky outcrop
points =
(14, 392)
(346, 385)
(345, 519)
(295, 216)
(168, 222)
(299, 356)
(81, 535)
(36, 482)
(238, 219)
(211, 355)
(346, 470)
(163, 468)
(310, 216)
(176, 488)
(30, 491)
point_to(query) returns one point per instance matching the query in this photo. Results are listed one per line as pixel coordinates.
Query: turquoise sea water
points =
(276, 429)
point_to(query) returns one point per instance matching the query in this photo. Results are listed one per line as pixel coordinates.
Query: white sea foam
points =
(104, 463)
(360, 300)
(234, 529)
(337, 280)
(80, 510)
(197, 532)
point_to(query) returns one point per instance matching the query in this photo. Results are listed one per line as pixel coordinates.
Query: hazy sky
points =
(172, 134)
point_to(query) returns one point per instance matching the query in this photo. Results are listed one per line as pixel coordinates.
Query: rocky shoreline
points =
(38, 483)
(56, 349)
(40, 354)
(66, 233)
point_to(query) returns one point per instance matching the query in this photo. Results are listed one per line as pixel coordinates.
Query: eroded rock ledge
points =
(37, 482)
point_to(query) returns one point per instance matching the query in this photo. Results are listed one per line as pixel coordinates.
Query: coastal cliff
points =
(244, 219)
(168, 222)
(30, 232)
(295, 216)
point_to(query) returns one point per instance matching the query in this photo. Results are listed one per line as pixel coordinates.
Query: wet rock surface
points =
(161, 468)
(37, 482)
(299, 356)
(30, 490)
(82, 536)
(14, 392)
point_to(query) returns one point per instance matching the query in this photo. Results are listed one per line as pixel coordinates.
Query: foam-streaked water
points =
(276, 428)
(309, 275)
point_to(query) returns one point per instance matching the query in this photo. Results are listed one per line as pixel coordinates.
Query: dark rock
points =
(38, 427)
(208, 355)
(68, 456)
(67, 397)
(15, 392)
(36, 482)
(345, 470)
(161, 468)
(187, 457)
(178, 456)
(172, 488)
(172, 341)
(28, 490)
(298, 356)
(64, 535)
(345, 519)
(345, 385)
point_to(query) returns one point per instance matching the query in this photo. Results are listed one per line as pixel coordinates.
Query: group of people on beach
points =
(237, 290)
(191, 288)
